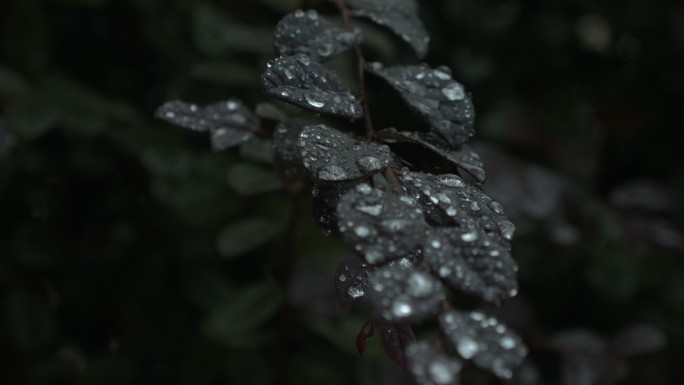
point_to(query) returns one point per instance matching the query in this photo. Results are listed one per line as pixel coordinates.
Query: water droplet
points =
(453, 92)
(477, 316)
(395, 224)
(420, 75)
(451, 211)
(325, 50)
(444, 271)
(299, 13)
(231, 105)
(332, 172)
(312, 14)
(193, 108)
(355, 291)
(373, 256)
(342, 278)
(513, 292)
(507, 229)
(419, 285)
(451, 181)
(303, 59)
(311, 98)
(170, 114)
(441, 74)
(496, 207)
(474, 206)
(436, 244)
(401, 308)
(507, 343)
(443, 372)
(470, 236)
(362, 231)
(364, 188)
(467, 347)
(373, 210)
(369, 163)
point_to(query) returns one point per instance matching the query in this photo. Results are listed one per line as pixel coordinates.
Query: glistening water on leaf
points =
(400, 16)
(430, 367)
(313, 35)
(306, 84)
(435, 96)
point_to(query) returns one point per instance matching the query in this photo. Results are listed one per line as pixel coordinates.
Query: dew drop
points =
(312, 14)
(474, 206)
(355, 291)
(369, 164)
(342, 278)
(325, 50)
(436, 244)
(364, 188)
(453, 92)
(443, 372)
(496, 207)
(311, 98)
(401, 308)
(419, 285)
(372, 257)
(373, 210)
(507, 229)
(467, 347)
(451, 211)
(470, 236)
(451, 181)
(332, 172)
(507, 343)
(362, 231)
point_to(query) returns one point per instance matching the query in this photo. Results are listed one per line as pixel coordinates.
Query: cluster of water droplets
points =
(379, 225)
(484, 340)
(430, 367)
(333, 156)
(307, 84)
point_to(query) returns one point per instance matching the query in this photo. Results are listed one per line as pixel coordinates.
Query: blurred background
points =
(130, 253)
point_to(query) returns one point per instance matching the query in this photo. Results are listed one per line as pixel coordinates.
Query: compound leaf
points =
(400, 16)
(313, 35)
(379, 225)
(306, 84)
(436, 97)
(484, 340)
(331, 156)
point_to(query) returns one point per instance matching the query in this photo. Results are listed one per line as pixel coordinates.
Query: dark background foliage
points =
(130, 253)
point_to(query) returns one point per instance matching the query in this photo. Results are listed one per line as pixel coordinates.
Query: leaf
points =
(230, 122)
(235, 322)
(463, 158)
(367, 331)
(313, 35)
(401, 16)
(267, 110)
(257, 150)
(331, 156)
(395, 339)
(248, 179)
(243, 236)
(430, 367)
(640, 339)
(484, 340)
(351, 282)
(379, 225)
(403, 294)
(306, 84)
(436, 97)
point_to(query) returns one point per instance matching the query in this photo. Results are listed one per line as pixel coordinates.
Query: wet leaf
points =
(249, 179)
(430, 367)
(351, 282)
(380, 226)
(463, 158)
(484, 340)
(331, 156)
(306, 84)
(313, 35)
(436, 97)
(230, 122)
(243, 236)
(399, 294)
(400, 16)
(395, 339)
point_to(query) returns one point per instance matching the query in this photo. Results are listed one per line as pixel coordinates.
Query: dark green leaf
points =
(249, 179)
(243, 236)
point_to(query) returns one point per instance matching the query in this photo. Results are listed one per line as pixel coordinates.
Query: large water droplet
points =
(507, 343)
(467, 347)
(401, 308)
(373, 210)
(453, 92)
(369, 164)
(313, 101)
(355, 291)
(470, 236)
(362, 231)
(332, 172)
(507, 229)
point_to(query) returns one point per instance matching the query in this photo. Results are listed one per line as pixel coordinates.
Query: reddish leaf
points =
(395, 339)
(367, 331)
